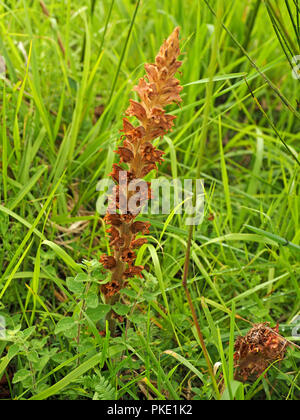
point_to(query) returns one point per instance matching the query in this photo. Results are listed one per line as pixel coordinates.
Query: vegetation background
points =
(70, 70)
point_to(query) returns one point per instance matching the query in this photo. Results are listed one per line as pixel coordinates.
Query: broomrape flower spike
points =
(255, 352)
(138, 157)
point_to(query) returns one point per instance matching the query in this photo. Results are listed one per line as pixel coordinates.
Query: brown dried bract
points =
(255, 352)
(110, 289)
(108, 262)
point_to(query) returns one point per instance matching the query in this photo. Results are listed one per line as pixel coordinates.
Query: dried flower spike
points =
(257, 350)
(138, 157)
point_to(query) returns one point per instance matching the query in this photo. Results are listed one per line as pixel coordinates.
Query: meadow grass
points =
(70, 70)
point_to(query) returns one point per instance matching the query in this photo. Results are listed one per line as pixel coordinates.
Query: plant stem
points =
(109, 317)
(203, 138)
(195, 319)
(80, 318)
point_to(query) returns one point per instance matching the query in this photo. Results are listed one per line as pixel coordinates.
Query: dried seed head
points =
(257, 350)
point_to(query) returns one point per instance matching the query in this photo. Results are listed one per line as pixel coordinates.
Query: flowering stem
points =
(157, 90)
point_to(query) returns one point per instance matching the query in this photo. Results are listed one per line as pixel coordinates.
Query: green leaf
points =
(42, 362)
(92, 301)
(237, 389)
(33, 356)
(186, 363)
(82, 278)
(121, 309)
(75, 287)
(71, 377)
(96, 314)
(4, 362)
(13, 351)
(130, 293)
(28, 332)
(61, 253)
(63, 325)
(21, 375)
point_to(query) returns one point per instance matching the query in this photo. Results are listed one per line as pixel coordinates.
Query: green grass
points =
(242, 136)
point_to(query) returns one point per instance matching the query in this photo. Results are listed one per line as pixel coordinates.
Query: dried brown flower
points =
(140, 227)
(255, 352)
(133, 271)
(156, 90)
(126, 155)
(138, 243)
(110, 289)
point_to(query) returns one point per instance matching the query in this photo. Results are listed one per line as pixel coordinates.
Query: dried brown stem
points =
(194, 315)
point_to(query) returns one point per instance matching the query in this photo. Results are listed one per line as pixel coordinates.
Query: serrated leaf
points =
(61, 357)
(63, 325)
(121, 309)
(92, 301)
(72, 332)
(82, 278)
(28, 333)
(21, 375)
(129, 292)
(99, 274)
(96, 314)
(75, 287)
(33, 356)
(13, 351)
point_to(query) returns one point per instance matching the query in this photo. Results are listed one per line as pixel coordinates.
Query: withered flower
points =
(138, 243)
(255, 352)
(108, 262)
(147, 169)
(116, 173)
(133, 271)
(150, 154)
(113, 219)
(132, 133)
(110, 289)
(137, 110)
(126, 154)
(156, 90)
(128, 256)
(140, 227)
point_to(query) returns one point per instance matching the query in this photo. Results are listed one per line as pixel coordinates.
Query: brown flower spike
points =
(138, 157)
(257, 350)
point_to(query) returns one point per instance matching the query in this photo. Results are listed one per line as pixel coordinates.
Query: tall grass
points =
(60, 120)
